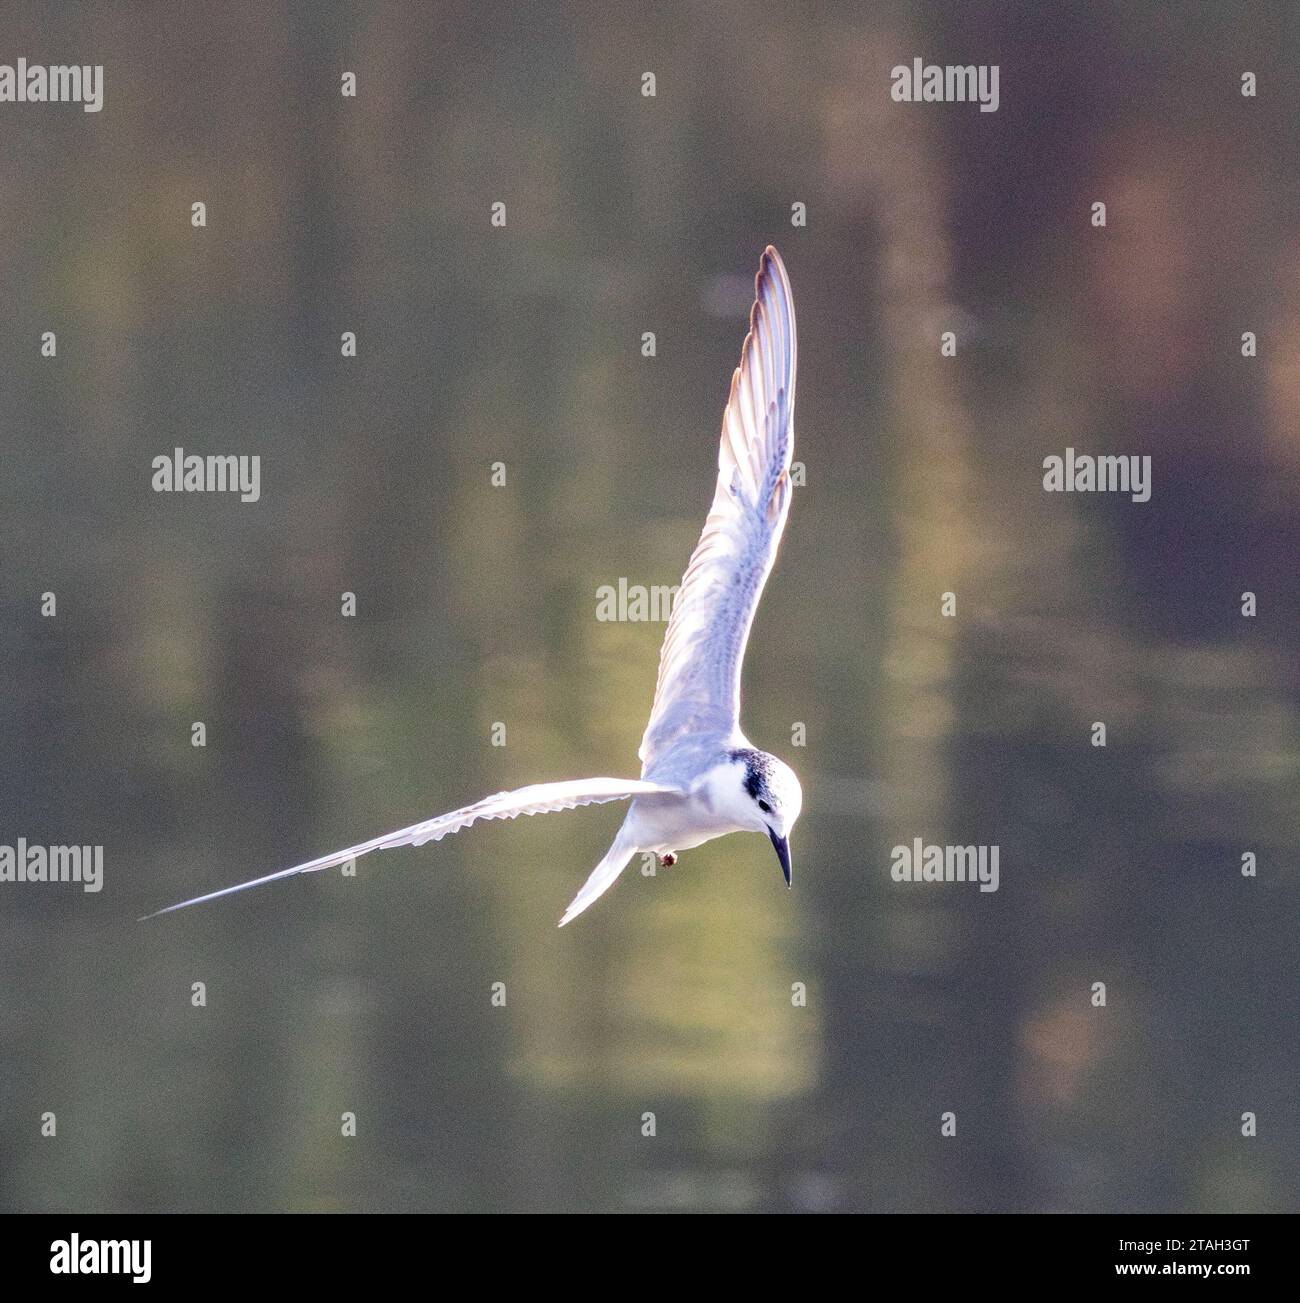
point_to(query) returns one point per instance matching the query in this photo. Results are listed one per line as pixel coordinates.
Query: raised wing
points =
(541, 798)
(698, 692)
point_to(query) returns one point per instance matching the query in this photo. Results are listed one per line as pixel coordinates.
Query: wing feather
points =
(698, 689)
(540, 798)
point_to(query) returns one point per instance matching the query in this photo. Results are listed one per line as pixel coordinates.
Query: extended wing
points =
(699, 667)
(541, 798)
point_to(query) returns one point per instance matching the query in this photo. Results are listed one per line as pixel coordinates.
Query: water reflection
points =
(677, 1005)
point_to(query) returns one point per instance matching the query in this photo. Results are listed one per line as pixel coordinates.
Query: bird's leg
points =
(668, 859)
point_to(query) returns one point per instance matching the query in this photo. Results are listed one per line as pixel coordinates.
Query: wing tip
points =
(771, 272)
(168, 909)
(771, 318)
(772, 263)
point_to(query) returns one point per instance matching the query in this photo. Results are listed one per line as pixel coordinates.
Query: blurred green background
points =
(477, 604)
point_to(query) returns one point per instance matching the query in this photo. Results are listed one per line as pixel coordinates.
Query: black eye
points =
(766, 809)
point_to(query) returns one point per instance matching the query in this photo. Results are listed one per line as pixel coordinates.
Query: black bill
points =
(782, 845)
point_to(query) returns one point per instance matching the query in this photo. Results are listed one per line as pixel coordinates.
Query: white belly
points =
(677, 824)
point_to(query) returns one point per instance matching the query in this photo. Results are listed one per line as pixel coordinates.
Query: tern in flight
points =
(701, 777)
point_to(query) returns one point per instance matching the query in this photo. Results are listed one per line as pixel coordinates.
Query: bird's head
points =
(771, 799)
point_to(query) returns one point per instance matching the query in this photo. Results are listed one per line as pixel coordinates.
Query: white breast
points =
(680, 824)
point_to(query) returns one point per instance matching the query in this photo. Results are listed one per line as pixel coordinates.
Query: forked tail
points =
(603, 876)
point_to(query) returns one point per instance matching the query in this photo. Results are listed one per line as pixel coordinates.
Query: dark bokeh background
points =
(477, 605)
